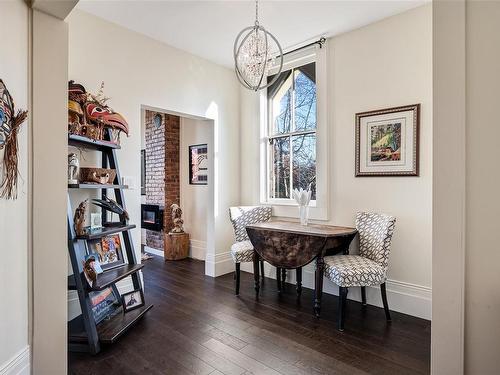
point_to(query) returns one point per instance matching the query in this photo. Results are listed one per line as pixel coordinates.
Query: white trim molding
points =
(403, 297)
(222, 263)
(150, 250)
(197, 249)
(17, 365)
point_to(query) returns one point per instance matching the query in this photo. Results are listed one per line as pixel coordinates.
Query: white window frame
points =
(288, 207)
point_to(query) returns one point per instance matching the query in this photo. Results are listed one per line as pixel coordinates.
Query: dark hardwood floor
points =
(198, 326)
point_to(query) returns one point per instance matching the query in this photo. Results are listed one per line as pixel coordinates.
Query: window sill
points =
(286, 202)
(289, 209)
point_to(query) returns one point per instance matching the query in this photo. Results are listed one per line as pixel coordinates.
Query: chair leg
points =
(278, 278)
(342, 303)
(299, 280)
(237, 275)
(262, 270)
(363, 295)
(384, 301)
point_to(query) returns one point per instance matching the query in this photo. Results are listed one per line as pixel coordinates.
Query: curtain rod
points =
(319, 42)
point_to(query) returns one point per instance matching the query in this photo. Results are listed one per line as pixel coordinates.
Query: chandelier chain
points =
(256, 12)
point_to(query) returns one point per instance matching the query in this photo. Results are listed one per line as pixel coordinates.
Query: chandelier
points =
(256, 52)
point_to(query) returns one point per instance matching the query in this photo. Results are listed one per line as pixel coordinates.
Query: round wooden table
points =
(289, 245)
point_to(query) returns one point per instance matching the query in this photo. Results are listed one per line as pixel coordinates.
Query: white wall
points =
(482, 276)
(49, 160)
(448, 208)
(140, 71)
(195, 199)
(14, 350)
(385, 64)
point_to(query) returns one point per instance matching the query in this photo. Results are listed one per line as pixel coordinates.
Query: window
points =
(291, 132)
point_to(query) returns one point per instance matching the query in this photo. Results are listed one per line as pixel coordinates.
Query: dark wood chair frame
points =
(343, 302)
(237, 272)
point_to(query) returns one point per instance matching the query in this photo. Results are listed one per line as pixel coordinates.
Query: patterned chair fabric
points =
(370, 267)
(353, 270)
(242, 250)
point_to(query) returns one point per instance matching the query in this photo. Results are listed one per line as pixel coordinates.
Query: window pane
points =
(282, 107)
(305, 97)
(281, 168)
(304, 162)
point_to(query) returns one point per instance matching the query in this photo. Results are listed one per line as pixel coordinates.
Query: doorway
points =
(176, 168)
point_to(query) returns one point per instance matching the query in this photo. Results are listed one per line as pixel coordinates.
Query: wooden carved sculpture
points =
(73, 167)
(10, 124)
(177, 219)
(110, 205)
(89, 115)
(79, 218)
(89, 271)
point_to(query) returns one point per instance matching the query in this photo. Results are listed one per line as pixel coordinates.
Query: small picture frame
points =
(132, 300)
(95, 221)
(104, 304)
(387, 142)
(109, 251)
(198, 164)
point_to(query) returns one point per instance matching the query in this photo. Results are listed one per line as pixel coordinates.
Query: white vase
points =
(303, 214)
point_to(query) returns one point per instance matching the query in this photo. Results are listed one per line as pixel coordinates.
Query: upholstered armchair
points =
(369, 268)
(242, 250)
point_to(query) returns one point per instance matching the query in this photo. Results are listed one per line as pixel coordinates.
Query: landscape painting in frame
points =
(387, 142)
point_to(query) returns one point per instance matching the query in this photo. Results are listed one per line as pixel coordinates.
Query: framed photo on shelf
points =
(132, 300)
(109, 251)
(387, 142)
(95, 221)
(104, 304)
(198, 164)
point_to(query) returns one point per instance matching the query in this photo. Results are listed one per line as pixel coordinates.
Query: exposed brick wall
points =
(162, 170)
(172, 168)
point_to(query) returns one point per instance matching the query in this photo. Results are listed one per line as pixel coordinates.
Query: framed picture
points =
(387, 142)
(109, 251)
(198, 164)
(132, 300)
(104, 304)
(95, 221)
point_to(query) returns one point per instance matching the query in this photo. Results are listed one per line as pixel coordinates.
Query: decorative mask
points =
(6, 111)
(10, 124)
(104, 115)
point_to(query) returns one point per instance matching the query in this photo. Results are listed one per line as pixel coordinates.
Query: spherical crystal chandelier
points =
(256, 52)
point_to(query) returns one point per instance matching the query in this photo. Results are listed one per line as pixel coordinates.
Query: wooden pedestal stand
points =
(176, 246)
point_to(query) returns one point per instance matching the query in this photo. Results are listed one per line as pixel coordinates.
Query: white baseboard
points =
(218, 264)
(17, 365)
(197, 249)
(150, 250)
(411, 299)
(74, 310)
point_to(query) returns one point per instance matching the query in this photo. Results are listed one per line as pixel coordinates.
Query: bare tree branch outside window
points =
(293, 132)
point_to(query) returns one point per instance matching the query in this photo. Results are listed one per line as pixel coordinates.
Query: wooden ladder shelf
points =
(84, 333)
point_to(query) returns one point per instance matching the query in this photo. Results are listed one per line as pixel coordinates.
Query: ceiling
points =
(208, 28)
